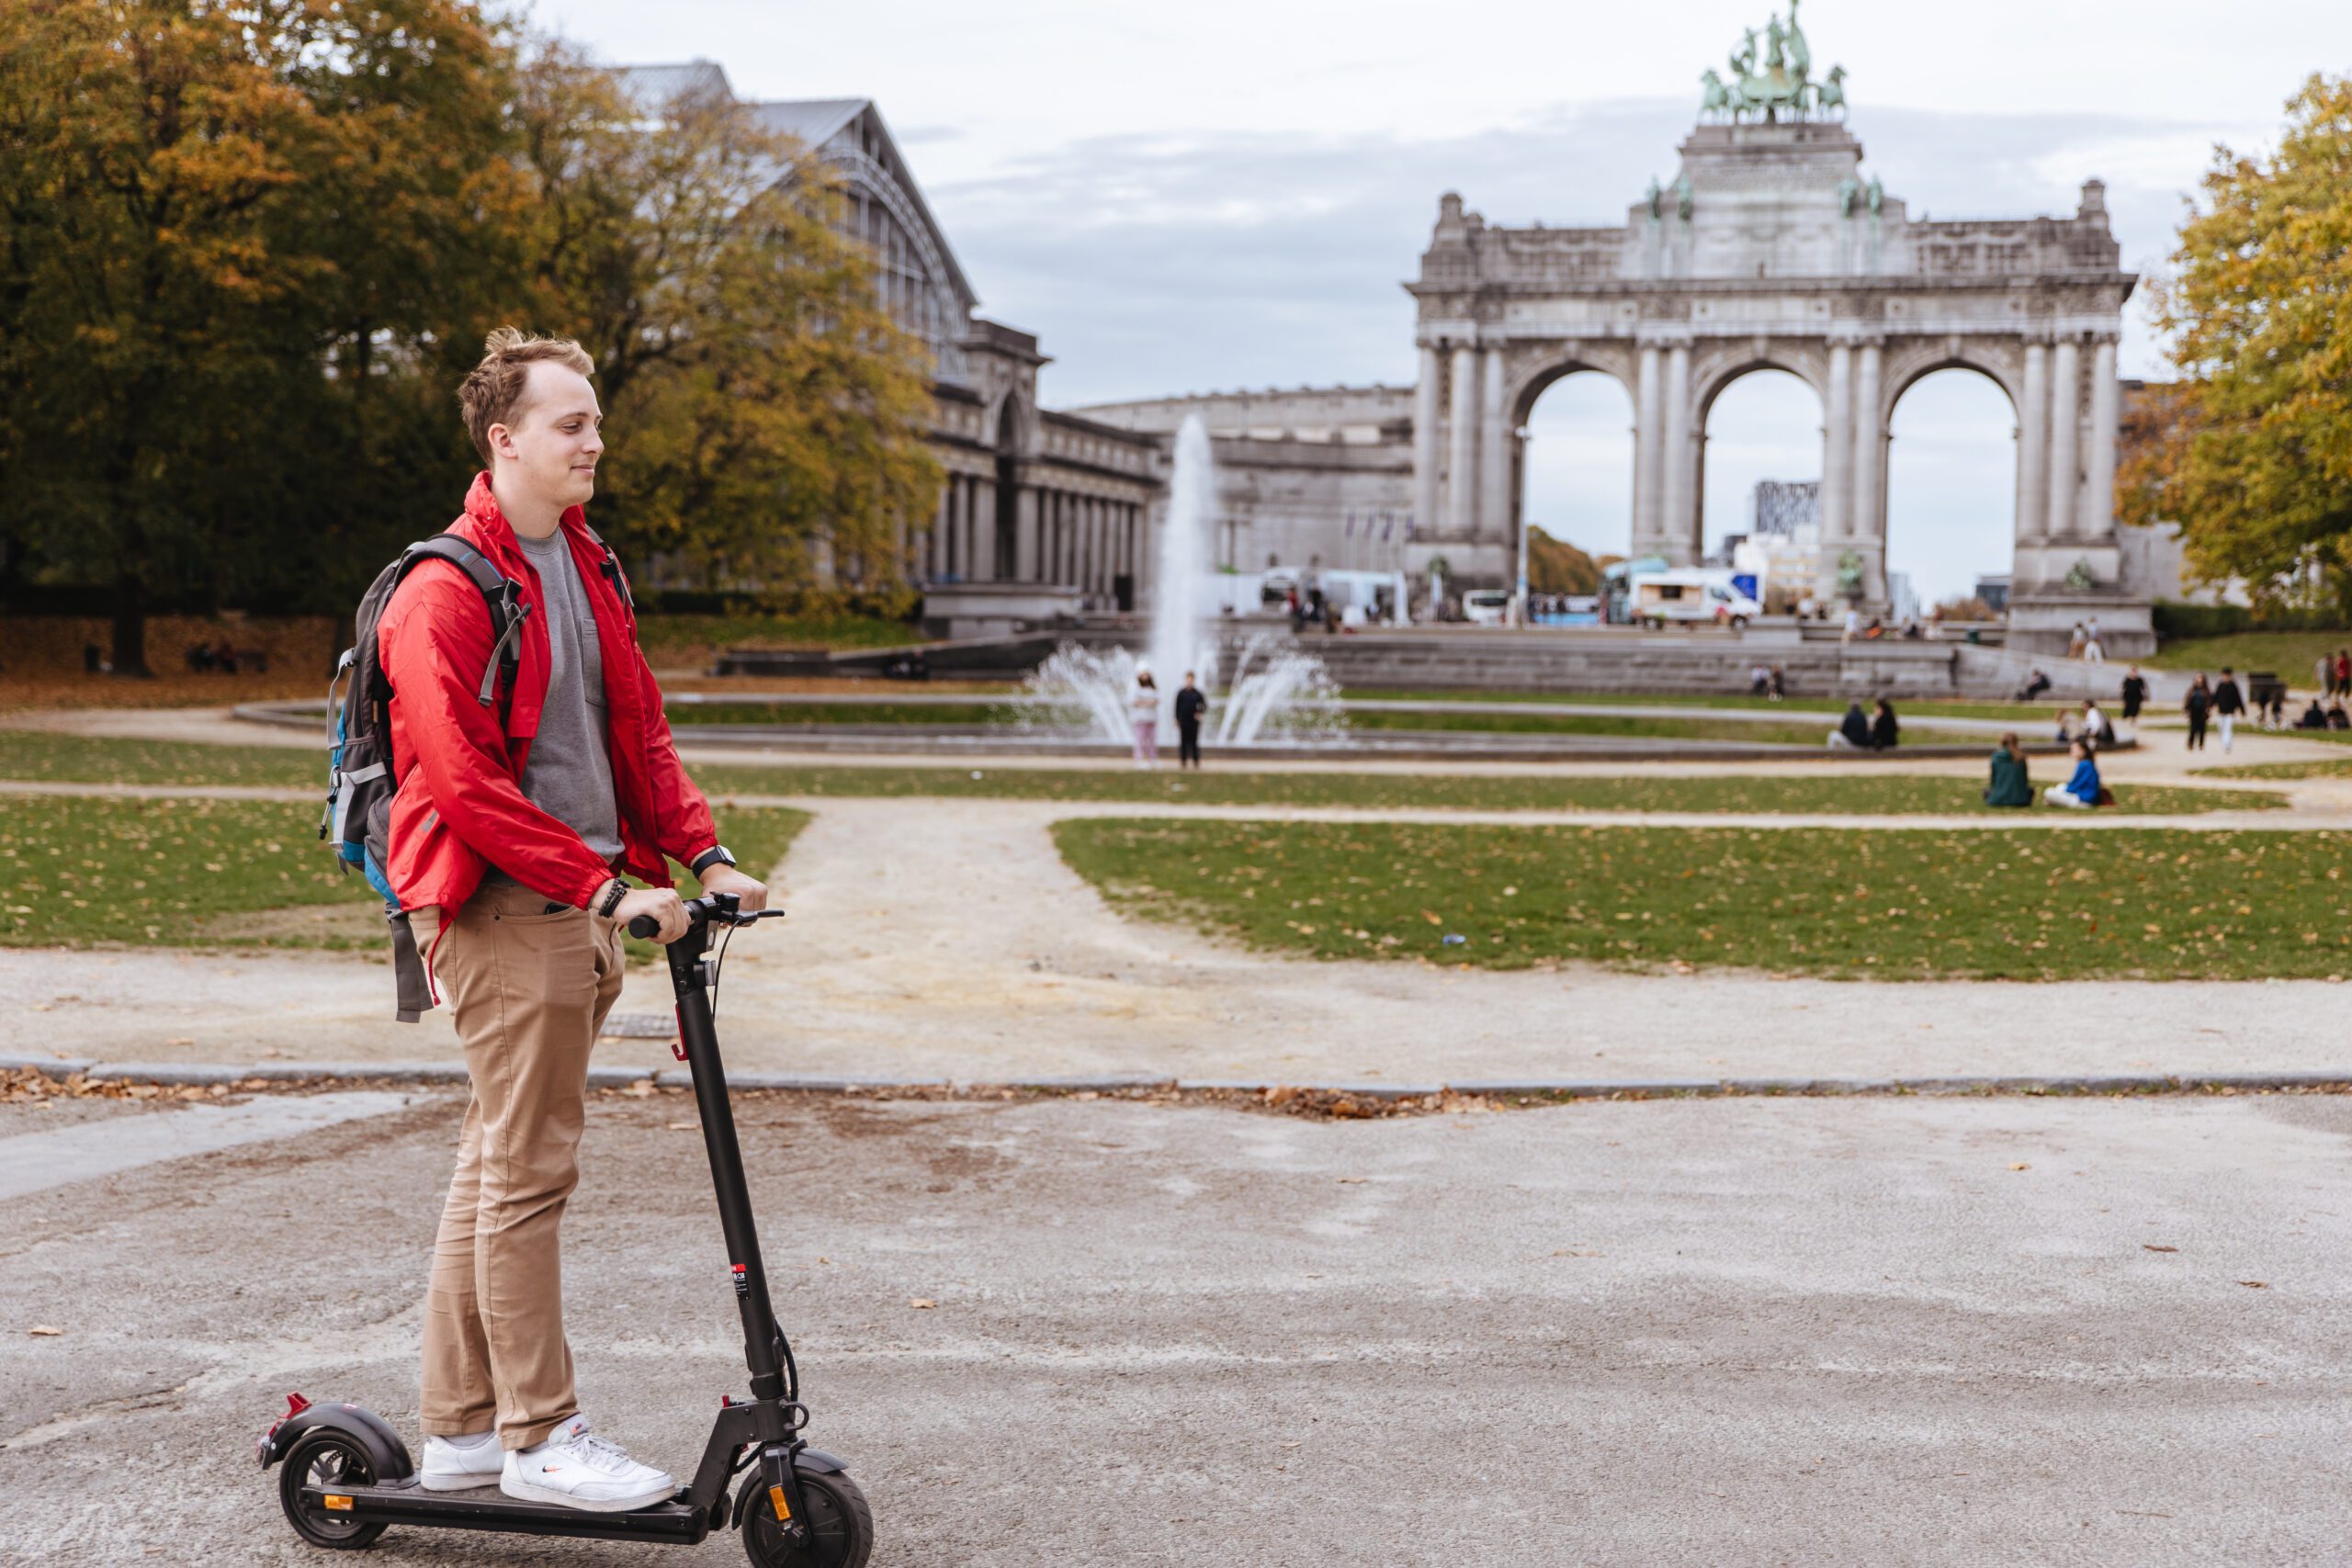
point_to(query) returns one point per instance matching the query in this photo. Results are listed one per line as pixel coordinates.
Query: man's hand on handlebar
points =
(662, 905)
(751, 894)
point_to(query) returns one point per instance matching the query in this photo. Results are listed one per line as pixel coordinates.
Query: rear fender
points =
(386, 1453)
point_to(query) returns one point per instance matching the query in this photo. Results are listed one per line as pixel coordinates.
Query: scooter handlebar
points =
(717, 908)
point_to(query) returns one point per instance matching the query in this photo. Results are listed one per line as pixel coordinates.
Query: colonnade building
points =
(1041, 512)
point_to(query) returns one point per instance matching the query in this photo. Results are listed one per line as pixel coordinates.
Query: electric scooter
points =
(347, 1476)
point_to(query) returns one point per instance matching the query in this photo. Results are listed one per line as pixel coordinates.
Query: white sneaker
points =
(453, 1464)
(576, 1470)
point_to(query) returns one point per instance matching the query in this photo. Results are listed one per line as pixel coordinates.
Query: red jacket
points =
(461, 805)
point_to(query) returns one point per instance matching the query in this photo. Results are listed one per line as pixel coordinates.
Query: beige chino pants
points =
(529, 985)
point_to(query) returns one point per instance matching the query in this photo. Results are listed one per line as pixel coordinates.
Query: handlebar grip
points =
(644, 925)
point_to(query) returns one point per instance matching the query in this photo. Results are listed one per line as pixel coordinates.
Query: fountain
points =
(1272, 692)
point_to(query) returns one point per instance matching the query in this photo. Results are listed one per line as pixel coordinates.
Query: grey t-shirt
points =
(569, 775)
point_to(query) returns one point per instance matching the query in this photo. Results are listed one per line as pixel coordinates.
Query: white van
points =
(1487, 606)
(1690, 594)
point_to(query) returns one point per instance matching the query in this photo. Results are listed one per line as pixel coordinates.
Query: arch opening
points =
(1951, 490)
(1761, 434)
(1576, 462)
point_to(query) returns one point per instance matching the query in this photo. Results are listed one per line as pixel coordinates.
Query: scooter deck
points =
(406, 1502)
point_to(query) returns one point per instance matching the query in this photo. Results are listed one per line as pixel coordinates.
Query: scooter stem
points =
(700, 1037)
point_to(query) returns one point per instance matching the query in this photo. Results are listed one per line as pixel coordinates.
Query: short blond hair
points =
(494, 392)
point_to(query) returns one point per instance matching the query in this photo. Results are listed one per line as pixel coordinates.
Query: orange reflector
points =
(335, 1501)
(783, 1508)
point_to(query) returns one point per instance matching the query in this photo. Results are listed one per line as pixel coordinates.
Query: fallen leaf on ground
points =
(2020, 1165)
(2255, 1284)
(2152, 1246)
(43, 1331)
(1352, 1181)
(921, 1303)
(681, 1126)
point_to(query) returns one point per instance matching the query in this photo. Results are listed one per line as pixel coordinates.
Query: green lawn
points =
(32, 754)
(76, 871)
(1888, 794)
(1898, 904)
(2330, 768)
(2290, 655)
(83, 759)
(1946, 707)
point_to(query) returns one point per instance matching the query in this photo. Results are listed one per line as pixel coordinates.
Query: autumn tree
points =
(221, 220)
(2250, 451)
(764, 415)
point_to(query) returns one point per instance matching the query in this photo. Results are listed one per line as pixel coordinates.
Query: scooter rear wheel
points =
(326, 1458)
(840, 1526)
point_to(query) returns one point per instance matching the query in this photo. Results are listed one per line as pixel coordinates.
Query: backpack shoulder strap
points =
(499, 592)
(610, 566)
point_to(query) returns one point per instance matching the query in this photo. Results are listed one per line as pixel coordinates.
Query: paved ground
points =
(1721, 1333)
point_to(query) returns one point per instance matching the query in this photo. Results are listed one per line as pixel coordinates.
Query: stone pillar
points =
(2066, 421)
(1494, 453)
(1026, 526)
(1679, 463)
(979, 562)
(1648, 444)
(1461, 468)
(1425, 441)
(2098, 457)
(2033, 449)
(942, 530)
(1837, 449)
(1866, 499)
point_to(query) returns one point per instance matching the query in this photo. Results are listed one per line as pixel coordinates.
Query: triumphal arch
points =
(1770, 248)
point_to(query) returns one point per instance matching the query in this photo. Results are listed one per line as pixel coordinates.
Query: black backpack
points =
(358, 821)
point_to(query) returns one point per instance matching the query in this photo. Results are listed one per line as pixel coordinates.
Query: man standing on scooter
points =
(513, 822)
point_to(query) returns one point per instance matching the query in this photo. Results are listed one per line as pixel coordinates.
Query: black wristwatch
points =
(715, 856)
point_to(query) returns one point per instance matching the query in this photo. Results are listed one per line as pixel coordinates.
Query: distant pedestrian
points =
(2228, 703)
(2135, 694)
(2011, 785)
(2323, 674)
(2075, 639)
(1885, 732)
(2197, 705)
(1142, 711)
(1779, 687)
(1853, 731)
(2343, 672)
(1191, 702)
(2083, 787)
(1759, 680)
(2065, 728)
(2097, 728)
(1853, 625)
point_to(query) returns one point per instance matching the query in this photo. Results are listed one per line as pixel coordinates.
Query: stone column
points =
(941, 529)
(1462, 470)
(1649, 445)
(2098, 457)
(1679, 463)
(2066, 421)
(2034, 447)
(1425, 441)
(1026, 526)
(1838, 450)
(979, 561)
(1494, 453)
(1865, 509)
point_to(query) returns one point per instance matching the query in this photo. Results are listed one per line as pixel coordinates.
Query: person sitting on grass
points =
(2336, 717)
(1853, 731)
(2096, 728)
(2009, 785)
(2315, 717)
(2081, 788)
(1885, 732)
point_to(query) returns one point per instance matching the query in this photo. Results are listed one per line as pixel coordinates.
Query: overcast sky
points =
(1218, 193)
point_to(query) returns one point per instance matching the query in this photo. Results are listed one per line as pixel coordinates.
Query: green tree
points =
(225, 220)
(766, 416)
(2252, 451)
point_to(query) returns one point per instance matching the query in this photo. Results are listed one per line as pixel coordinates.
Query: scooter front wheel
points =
(326, 1458)
(839, 1526)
